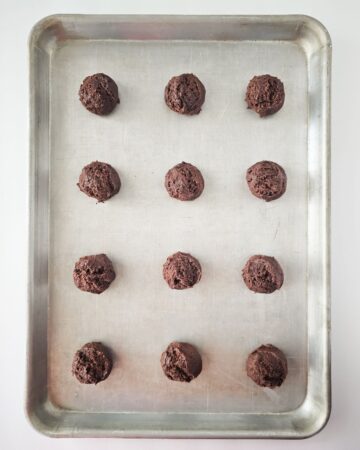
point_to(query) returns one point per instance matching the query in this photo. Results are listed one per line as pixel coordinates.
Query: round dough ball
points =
(266, 180)
(93, 273)
(92, 363)
(263, 274)
(185, 94)
(265, 94)
(99, 180)
(181, 362)
(181, 271)
(267, 366)
(99, 94)
(184, 182)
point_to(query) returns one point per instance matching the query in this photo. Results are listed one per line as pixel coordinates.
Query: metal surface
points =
(138, 316)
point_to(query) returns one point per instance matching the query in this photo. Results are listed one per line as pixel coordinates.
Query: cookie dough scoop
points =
(266, 180)
(99, 94)
(93, 273)
(181, 271)
(263, 274)
(184, 182)
(92, 363)
(267, 366)
(185, 94)
(99, 180)
(181, 362)
(265, 94)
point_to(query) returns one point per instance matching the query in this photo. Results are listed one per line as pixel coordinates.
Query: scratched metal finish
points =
(139, 315)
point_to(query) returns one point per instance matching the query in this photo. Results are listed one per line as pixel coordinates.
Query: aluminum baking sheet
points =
(139, 315)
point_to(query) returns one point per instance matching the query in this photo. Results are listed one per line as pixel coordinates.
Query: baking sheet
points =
(138, 316)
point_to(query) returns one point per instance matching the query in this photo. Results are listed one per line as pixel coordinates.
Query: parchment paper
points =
(138, 316)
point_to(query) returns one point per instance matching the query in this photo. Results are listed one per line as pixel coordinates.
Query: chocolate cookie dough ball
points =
(99, 180)
(99, 94)
(184, 182)
(181, 271)
(263, 274)
(185, 94)
(181, 362)
(266, 180)
(265, 95)
(267, 366)
(92, 363)
(93, 273)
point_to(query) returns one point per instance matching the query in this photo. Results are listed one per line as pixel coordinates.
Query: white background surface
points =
(341, 18)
